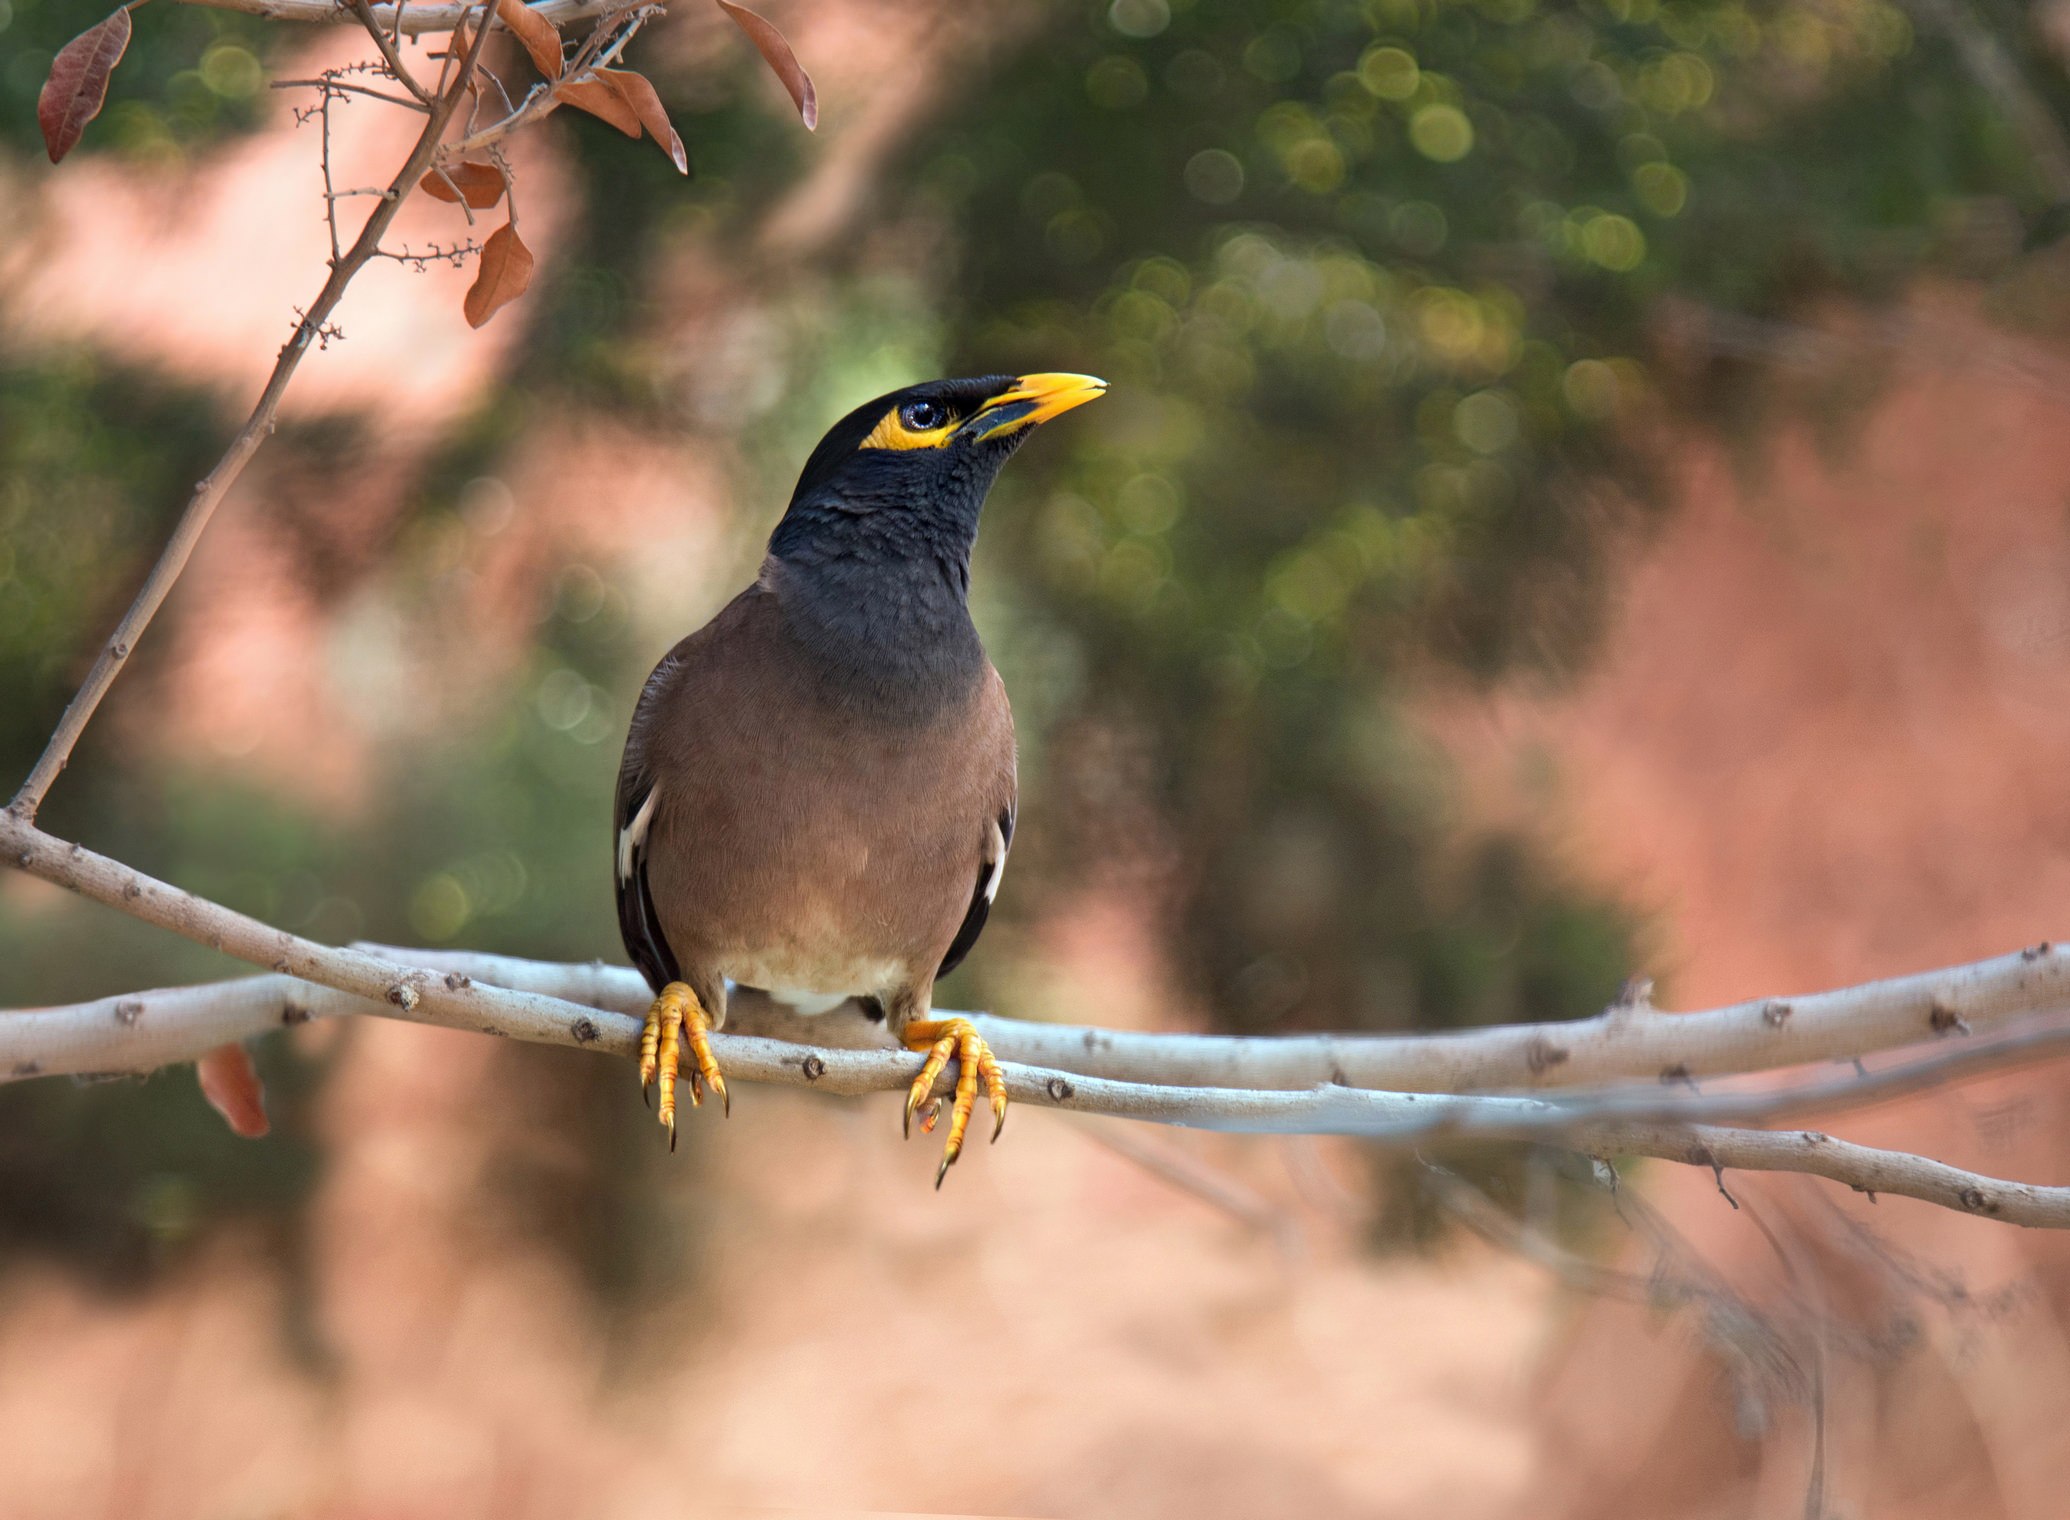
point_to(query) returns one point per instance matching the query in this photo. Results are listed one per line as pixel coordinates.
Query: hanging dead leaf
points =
(232, 1089)
(541, 39)
(78, 84)
(600, 98)
(777, 54)
(480, 185)
(638, 93)
(505, 271)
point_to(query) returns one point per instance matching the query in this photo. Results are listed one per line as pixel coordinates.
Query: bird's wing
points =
(638, 797)
(990, 868)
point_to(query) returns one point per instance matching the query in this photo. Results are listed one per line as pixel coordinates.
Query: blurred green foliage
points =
(93, 461)
(1382, 287)
(1376, 284)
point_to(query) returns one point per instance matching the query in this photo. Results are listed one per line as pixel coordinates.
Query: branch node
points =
(1945, 1020)
(585, 1031)
(1702, 1157)
(1775, 1013)
(1540, 1054)
(128, 1011)
(403, 995)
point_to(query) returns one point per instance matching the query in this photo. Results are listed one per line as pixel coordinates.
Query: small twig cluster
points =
(421, 259)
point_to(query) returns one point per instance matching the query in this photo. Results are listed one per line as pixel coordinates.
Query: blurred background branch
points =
(413, 20)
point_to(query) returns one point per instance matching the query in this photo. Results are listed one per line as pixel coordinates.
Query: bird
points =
(818, 790)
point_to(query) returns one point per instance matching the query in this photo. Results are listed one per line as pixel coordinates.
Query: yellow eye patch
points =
(893, 433)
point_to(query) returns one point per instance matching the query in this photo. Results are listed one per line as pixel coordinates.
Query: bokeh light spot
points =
(1441, 133)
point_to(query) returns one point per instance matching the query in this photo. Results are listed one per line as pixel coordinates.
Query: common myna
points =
(818, 792)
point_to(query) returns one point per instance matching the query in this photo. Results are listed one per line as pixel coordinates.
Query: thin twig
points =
(330, 197)
(390, 53)
(339, 86)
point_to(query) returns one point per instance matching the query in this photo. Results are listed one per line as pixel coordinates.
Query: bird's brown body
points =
(776, 858)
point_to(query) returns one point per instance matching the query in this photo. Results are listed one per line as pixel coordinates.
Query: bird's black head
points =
(901, 479)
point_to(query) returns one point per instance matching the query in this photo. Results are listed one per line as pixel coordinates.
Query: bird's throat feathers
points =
(880, 599)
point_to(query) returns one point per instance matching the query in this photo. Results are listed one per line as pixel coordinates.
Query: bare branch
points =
(189, 1020)
(1625, 1043)
(210, 492)
(1998, 78)
(411, 20)
(456, 1000)
(389, 52)
(338, 86)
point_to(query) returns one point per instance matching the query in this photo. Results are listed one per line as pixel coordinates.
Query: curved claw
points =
(975, 1067)
(677, 1020)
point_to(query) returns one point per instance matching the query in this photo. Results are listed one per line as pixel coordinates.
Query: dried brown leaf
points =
(78, 84)
(540, 37)
(602, 99)
(638, 93)
(782, 61)
(480, 185)
(232, 1089)
(505, 271)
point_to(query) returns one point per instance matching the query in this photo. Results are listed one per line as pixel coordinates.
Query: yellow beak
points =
(1032, 399)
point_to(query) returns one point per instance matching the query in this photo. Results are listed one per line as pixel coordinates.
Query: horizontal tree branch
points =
(410, 20)
(1651, 1125)
(143, 1030)
(1398, 1117)
(1954, 1006)
(576, 1006)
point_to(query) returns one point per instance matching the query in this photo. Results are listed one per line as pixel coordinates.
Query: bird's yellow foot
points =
(677, 1012)
(941, 1039)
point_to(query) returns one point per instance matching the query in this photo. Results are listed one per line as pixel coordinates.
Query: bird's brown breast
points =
(802, 838)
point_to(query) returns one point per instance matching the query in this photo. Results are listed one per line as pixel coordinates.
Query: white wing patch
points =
(633, 837)
(998, 865)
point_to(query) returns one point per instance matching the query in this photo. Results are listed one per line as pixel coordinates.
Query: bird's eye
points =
(923, 416)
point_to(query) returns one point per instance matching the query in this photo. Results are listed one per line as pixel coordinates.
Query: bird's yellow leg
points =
(675, 1014)
(941, 1039)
